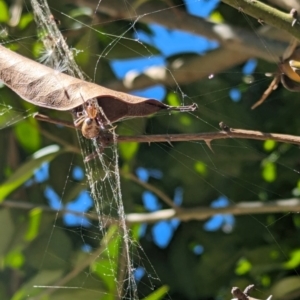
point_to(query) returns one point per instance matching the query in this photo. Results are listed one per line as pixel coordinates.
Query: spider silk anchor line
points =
(94, 105)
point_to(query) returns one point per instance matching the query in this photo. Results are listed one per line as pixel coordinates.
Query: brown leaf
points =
(48, 88)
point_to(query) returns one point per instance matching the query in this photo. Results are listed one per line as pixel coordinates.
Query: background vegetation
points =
(195, 259)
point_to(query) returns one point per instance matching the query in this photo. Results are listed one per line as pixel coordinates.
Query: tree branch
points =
(157, 12)
(226, 133)
(267, 14)
(236, 44)
(184, 70)
(209, 136)
(183, 214)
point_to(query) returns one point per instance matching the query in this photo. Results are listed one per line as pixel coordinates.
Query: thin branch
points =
(226, 133)
(150, 12)
(267, 14)
(47, 119)
(203, 213)
(285, 4)
(184, 214)
(186, 70)
(29, 206)
(209, 136)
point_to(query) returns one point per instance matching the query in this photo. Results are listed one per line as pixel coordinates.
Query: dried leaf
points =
(48, 88)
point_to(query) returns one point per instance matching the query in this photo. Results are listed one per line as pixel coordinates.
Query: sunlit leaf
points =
(25, 20)
(216, 17)
(269, 145)
(173, 99)
(200, 167)
(243, 267)
(128, 150)
(269, 171)
(158, 294)
(14, 259)
(294, 261)
(35, 216)
(4, 14)
(107, 265)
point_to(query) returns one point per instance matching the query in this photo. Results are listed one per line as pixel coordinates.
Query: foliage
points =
(38, 247)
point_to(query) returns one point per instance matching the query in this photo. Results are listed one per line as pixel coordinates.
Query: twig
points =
(184, 214)
(205, 136)
(157, 12)
(268, 14)
(203, 213)
(47, 119)
(232, 133)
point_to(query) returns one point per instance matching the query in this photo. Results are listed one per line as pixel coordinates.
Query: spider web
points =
(103, 172)
(104, 184)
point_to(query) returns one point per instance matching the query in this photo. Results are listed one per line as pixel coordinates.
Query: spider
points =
(89, 120)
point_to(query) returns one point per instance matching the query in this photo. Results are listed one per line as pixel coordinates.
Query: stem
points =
(267, 14)
(209, 136)
(184, 214)
(226, 133)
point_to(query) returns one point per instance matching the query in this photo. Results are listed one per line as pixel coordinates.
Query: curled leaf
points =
(52, 89)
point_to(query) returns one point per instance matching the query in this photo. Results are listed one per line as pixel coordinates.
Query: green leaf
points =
(243, 267)
(35, 217)
(25, 20)
(22, 174)
(128, 150)
(158, 294)
(294, 261)
(200, 168)
(216, 17)
(269, 173)
(269, 145)
(28, 135)
(173, 99)
(4, 15)
(15, 259)
(106, 267)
